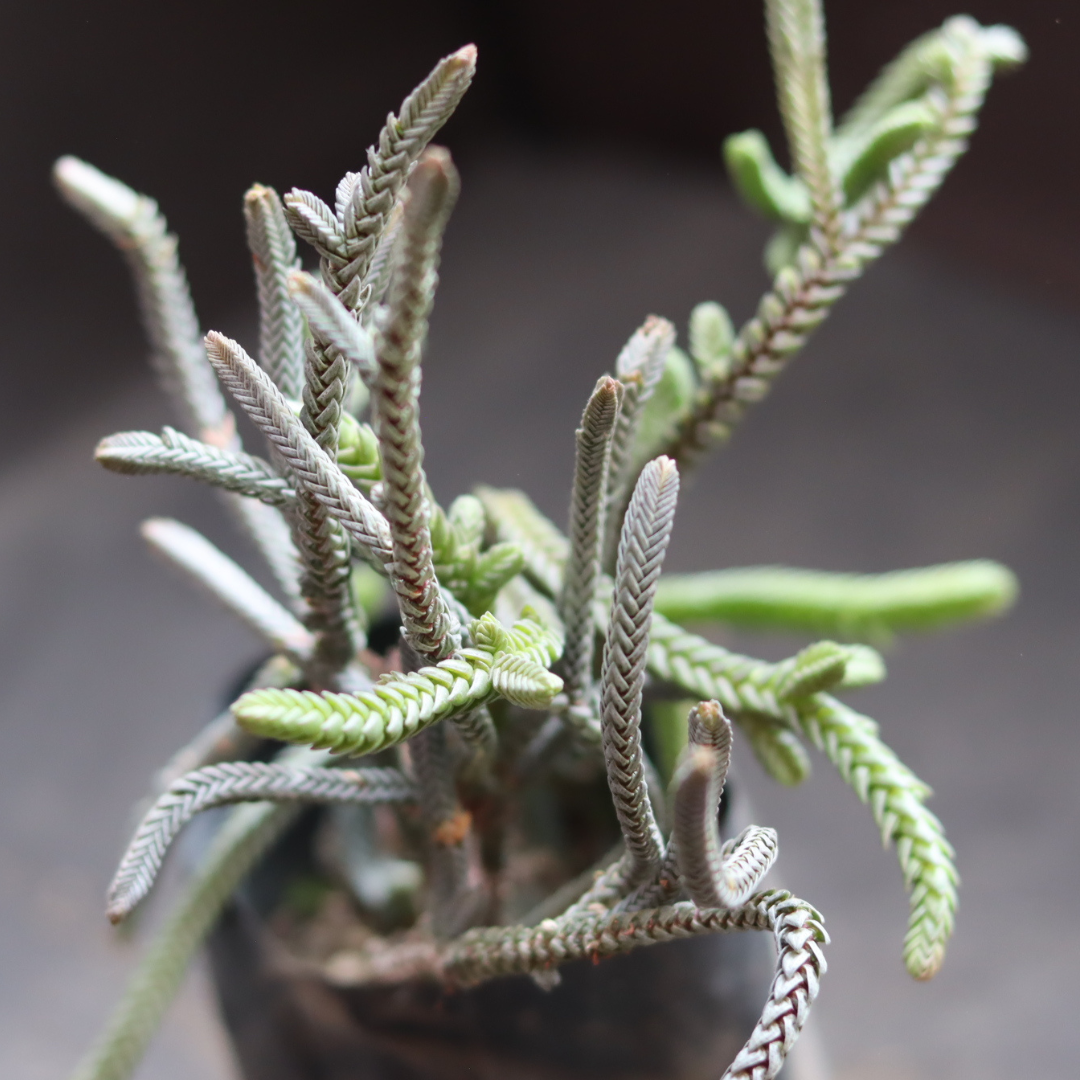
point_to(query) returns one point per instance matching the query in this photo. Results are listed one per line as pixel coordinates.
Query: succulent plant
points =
(527, 654)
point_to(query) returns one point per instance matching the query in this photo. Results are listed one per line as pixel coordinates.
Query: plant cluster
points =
(527, 655)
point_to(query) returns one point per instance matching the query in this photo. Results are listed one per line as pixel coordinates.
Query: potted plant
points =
(484, 755)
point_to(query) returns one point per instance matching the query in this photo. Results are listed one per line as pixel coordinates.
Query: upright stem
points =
(586, 536)
(446, 823)
(639, 367)
(645, 536)
(803, 294)
(273, 253)
(797, 42)
(429, 626)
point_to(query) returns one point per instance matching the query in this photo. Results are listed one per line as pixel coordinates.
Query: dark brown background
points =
(933, 417)
(193, 101)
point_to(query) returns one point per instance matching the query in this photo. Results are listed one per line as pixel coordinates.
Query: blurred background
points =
(932, 418)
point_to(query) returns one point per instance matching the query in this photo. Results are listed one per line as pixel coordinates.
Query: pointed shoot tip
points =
(436, 160)
(256, 193)
(93, 192)
(695, 769)
(657, 324)
(466, 55)
(300, 282)
(433, 186)
(215, 344)
(710, 715)
(666, 469)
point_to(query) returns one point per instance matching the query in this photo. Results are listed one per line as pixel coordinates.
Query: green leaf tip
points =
(527, 637)
(894, 134)
(826, 665)
(523, 681)
(711, 338)
(358, 453)
(865, 666)
(818, 667)
(475, 577)
(400, 705)
(895, 796)
(1000, 44)
(761, 183)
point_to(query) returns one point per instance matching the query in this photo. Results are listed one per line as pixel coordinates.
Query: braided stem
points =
(347, 243)
(796, 30)
(395, 391)
(714, 875)
(323, 546)
(351, 237)
(797, 930)
(895, 796)
(314, 470)
(400, 704)
(645, 536)
(137, 453)
(326, 374)
(324, 585)
(803, 294)
(691, 863)
(273, 253)
(232, 782)
(639, 367)
(137, 227)
(366, 199)
(332, 321)
(586, 535)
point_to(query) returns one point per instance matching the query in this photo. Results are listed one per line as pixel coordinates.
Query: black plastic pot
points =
(677, 1011)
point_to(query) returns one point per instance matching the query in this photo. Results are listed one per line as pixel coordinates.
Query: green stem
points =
(859, 607)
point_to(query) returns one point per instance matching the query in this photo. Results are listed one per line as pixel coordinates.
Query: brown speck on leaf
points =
(453, 830)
